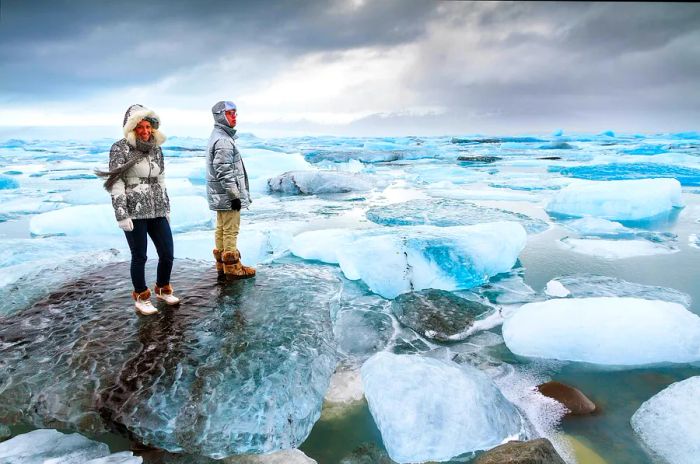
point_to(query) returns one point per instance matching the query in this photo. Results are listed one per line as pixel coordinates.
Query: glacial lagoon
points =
(368, 251)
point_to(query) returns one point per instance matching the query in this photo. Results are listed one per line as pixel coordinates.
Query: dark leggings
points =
(159, 231)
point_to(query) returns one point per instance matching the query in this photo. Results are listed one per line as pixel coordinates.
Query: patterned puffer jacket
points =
(140, 192)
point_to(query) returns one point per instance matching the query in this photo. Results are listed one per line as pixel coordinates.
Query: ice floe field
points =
(412, 293)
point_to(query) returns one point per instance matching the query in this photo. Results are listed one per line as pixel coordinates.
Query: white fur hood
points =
(134, 115)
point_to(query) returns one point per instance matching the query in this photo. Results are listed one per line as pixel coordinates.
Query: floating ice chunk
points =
(590, 285)
(7, 182)
(669, 422)
(432, 410)
(616, 249)
(458, 193)
(447, 212)
(556, 289)
(625, 171)
(397, 260)
(289, 456)
(618, 200)
(47, 446)
(597, 227)
(606, 330)
(694, 240)
(318, 182)
(187, 213)
(646, 150)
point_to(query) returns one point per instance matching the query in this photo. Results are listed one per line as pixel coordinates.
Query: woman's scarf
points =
(142, 150)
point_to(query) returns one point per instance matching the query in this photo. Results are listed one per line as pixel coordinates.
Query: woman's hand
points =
(127, 225)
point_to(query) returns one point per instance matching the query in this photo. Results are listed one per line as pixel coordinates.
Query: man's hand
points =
(236, 204)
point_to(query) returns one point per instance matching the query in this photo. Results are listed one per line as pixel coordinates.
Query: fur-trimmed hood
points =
(134, 115)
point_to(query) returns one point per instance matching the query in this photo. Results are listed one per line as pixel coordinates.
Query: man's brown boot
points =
(219, 262)
(247, 269)
(233, 267)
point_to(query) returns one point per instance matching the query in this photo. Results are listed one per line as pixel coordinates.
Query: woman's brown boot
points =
(233, 267)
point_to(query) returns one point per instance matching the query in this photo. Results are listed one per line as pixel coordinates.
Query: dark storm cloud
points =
(75, 46)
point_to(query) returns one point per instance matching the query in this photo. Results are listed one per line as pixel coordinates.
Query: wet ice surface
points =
(381, 231)
(248, 350)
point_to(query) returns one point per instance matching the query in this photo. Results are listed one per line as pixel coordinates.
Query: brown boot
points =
(233, 267)
(247, 269)
(219, 262)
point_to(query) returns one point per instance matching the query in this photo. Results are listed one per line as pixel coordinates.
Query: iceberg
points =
(397, 260)
(447, 212)
(669, 422)
(687, 176)
(80, 359)
(598, 227)
(431, 410)
(187, 213)
(318, 182)
(605, 330)
(626, 200)
(591, 285)
(45, 446)
(616, 249)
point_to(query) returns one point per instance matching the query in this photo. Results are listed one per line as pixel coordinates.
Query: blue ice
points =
(620, 171)
(7, 183)
(396, 260)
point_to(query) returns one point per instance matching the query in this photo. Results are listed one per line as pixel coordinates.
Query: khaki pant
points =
(228, 223)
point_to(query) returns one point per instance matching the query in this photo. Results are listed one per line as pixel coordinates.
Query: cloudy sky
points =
(354, 67)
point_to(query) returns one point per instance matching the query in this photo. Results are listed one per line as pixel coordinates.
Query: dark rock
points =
(575, 401)
(539, 451)
(368, 453)
(478, 159)
(457, 140)
(436, 314)
(549, 158)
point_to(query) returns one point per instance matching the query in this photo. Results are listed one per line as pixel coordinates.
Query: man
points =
(227, 190)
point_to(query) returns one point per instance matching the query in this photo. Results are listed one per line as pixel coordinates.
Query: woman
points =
(136, 183)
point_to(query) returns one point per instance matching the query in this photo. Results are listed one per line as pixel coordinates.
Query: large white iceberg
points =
(187, 213)
(623, 200)
(431, 410)
(397, 260)
(669, 422)
(605, 330)
(45, 446)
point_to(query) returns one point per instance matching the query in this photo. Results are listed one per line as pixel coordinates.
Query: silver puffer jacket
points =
(226, 175)
(140, 192)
